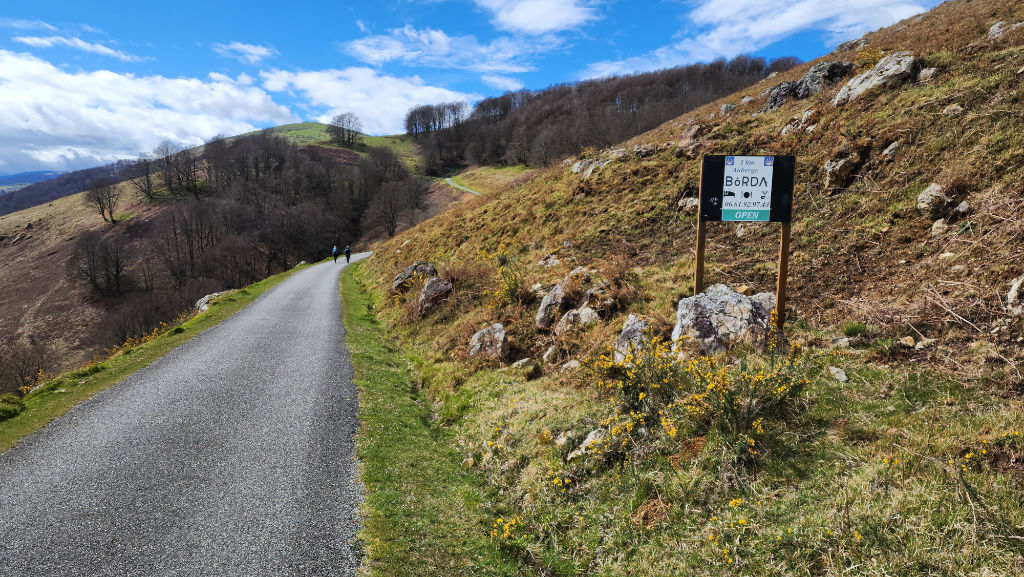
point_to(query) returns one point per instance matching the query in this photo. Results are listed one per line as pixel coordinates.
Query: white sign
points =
(747, 188)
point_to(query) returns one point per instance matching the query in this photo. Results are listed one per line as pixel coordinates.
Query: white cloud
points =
(246, 53)
(77, 44)
(430, 47)
(501, 82)
(380, 101)
(362, 27)
(539, 16)
(725, 28)
(20, 24)
(52, 118)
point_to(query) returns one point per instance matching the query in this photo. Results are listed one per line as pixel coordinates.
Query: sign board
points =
(746, 188)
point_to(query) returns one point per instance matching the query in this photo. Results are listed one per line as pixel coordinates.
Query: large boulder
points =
(549, 307)
(892, 70)
(576, 319)
(434, 292)
(419, 268)
(632, 338)
(490, 342)
(722, 317)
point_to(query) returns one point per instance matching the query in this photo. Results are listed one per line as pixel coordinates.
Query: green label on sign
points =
(746, 215)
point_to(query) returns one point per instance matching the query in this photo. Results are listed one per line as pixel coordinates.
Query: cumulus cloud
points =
(380, 101)
(77, 44)
(56, 119)
(725, 28)
(20, 24)
(435, 48)
(245, 53)
(501, 82)
(539, 16)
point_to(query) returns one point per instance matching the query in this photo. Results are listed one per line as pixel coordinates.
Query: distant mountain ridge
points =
(29, 177)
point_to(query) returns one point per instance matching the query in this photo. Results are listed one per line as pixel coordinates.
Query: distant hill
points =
(26, 178)
(300, 133)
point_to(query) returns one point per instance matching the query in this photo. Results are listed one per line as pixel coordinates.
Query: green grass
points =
(486, 179)
(424, 514)
(401, 144)
(62, 393)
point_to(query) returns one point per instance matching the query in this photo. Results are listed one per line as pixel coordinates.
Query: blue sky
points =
(84, 83)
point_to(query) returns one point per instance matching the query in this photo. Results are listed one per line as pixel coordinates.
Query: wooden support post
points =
(780, 291)
(698, 272)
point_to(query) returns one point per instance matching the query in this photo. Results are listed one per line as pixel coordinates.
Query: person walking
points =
(334, 253)
(348, 254)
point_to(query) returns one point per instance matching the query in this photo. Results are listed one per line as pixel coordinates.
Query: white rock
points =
(838, 374)
(595, 436)
(203, 304)
(576, 319)
(890, 71)
(720, 317)
(939, 228)
(633, 337)
(1015, 297)
(891, 149)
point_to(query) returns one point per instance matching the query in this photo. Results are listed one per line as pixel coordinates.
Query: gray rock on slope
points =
(890, 71)
(632, 338)
(420, 267)
(549, 307)
(575, 320)
(722, 317)
(434, 293)
(491, 342)
(814, 81)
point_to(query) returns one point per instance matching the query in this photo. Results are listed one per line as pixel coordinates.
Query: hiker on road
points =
(334, 253)
(348, 254)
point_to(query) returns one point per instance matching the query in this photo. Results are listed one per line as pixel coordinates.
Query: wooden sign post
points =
(747, 189)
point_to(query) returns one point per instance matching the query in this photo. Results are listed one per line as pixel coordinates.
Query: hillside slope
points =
(858, 456)
(861, 251)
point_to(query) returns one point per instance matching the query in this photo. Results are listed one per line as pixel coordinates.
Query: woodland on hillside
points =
(537, 128)
(233, 213)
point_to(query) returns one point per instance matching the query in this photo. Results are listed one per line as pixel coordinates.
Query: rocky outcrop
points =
(576, 319)
(890, 71)
(644, 150)
(817, 78)
(204, 303)
(490, 342)
(633, 337)
(434, 293)
(722, 317)
(999, 28)
(549, 307)
(419, 268)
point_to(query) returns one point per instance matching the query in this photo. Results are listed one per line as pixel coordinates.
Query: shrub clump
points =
(747, 407)
(10, 406)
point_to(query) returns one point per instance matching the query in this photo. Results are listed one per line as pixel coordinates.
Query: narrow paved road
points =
(460, 187)
(232, 455)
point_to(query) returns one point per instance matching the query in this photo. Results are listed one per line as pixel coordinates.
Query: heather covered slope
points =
(861, 455)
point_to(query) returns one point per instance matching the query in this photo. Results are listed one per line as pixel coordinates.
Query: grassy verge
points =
(62, 393)
(492, 178)
(424, 514)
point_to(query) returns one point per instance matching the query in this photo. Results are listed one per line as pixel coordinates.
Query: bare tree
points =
(140, 176)
(164, 153)
(345, 129)
(102, 262)
(103, 195)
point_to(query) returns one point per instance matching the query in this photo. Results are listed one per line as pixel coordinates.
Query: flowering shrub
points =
(662, 395)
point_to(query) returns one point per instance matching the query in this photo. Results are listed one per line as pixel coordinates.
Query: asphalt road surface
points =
(232, 455)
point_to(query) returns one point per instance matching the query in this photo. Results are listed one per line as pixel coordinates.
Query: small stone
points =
(926, 74)
(842, 342)
(491, 341)
(939, 228)
(468, 462)
(745, 290)
(958, 268)
(908, 341)
(924, 343)
(946, 255)
(892, 148)
(953, 110)
(729, 107)
(570, 365)
(576, 319)
(688, 204)
(747, 100)
(549, 261)
(549, 355)
(593, 438)
(963, 208)
(838, 374)
(529, 368)
(561, 439)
